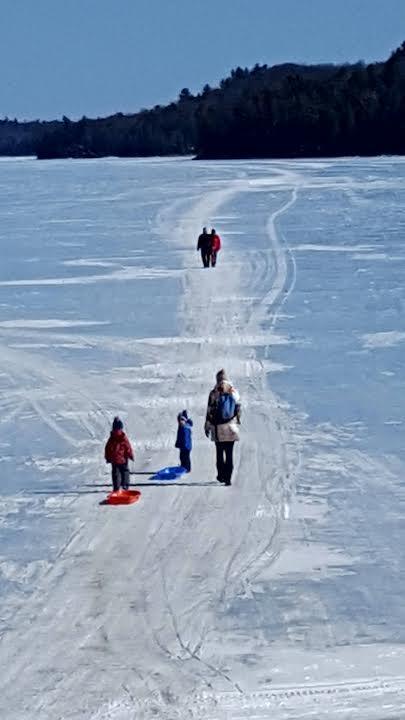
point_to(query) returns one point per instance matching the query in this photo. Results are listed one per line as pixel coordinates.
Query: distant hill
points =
(287, 110)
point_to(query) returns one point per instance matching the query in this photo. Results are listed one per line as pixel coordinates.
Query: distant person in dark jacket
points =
(184, 439)
(204, 245)
(118, 451)
(215, 246)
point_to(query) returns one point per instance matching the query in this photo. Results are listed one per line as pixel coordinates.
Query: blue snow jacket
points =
(184, 433)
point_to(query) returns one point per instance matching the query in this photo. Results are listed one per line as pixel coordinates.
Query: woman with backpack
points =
(222, 424)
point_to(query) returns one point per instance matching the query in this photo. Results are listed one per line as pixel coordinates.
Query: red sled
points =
(121, 497)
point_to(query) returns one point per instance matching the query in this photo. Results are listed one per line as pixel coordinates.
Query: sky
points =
(98, 57)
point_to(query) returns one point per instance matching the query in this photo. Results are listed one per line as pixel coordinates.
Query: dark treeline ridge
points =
(287, 110)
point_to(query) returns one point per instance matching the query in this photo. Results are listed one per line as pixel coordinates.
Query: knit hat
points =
(117, 423)
(221, 375)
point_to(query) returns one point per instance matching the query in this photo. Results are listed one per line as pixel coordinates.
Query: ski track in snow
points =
(130, 621)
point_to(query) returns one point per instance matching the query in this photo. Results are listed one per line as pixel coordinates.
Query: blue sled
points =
(169, 473)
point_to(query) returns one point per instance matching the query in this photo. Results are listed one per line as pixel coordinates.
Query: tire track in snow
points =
(197, 322)
(303, 700)
(287, 276)
(283, 276)
(320, 701)
(186, 648)
(282, 280)
(62, 389)
(203, 326)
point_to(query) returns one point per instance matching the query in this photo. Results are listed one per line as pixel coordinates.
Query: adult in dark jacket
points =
(118, 451)
(184, 439)
(204, 244)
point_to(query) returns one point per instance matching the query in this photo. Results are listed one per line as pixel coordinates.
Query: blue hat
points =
(117, 423)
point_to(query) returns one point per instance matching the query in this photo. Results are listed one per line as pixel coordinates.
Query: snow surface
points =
(280, 597)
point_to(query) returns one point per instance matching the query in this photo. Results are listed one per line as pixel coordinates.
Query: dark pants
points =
(213, 258)
(120, 476)
(205, 257)
(185, 459)
(224, 461)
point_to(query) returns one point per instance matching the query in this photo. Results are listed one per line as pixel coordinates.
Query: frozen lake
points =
(282, 596)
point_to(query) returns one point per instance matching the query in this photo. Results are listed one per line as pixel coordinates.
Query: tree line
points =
(287, 110)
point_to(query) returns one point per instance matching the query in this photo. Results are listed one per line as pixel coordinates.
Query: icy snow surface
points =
(281, 597)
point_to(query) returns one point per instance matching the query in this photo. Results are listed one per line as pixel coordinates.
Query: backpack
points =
(225, 409)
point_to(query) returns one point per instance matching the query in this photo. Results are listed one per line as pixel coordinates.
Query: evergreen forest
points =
(284, 111)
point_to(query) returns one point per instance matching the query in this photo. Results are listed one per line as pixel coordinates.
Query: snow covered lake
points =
(280, 597)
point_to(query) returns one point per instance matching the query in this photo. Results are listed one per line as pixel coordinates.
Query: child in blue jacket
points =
(184, 439)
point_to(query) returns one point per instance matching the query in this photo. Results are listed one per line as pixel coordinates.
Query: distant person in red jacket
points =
(118, 451)
(215, 246)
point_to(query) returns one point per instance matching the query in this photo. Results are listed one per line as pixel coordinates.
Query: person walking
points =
(215, 246)
(204, 245)
(184, 439)
(118, 451)
(222, 424)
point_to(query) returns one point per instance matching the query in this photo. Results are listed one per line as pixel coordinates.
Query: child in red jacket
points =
(118, 451)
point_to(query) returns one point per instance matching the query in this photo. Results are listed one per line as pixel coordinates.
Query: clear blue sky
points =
(97, 57)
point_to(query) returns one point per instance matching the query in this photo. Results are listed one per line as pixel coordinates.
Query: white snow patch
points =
(50, 323)
(39, 346)
(334, 248)
(298, 559)
(383, 339)
(117, 276)
(89, 263)
(20, 573)
(229, 340)
(371, 256)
